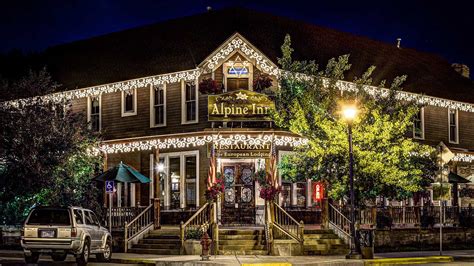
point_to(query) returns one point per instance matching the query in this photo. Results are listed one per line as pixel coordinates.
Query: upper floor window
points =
(189, 112)
(129, 102)
(158, 106)
(419, 124)
(237, 74)
(93, 112)
(453, 126)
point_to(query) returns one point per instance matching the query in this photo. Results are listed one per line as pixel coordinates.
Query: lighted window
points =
(129, 102)
(239, 70)
(190, 104)
(94, 113)
(190, 172)
(175, 176)
(419, 125)
(158, 106)
(453, 126)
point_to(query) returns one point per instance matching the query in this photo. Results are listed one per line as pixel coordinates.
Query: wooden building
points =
(140, 88)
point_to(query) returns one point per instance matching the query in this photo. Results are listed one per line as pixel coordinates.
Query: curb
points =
(415, 260)
(134, 261)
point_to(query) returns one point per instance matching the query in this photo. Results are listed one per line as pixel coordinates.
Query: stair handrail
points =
(199, 220)
(339, 223)
(288, 225)
(138, 225)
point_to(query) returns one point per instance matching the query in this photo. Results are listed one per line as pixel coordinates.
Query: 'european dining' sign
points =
(241, 105)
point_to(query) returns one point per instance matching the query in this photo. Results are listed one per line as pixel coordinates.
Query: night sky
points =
(439, 28)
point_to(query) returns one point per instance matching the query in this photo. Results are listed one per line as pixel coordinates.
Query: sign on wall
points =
(241, 150)
(241, 105)
(318, 191)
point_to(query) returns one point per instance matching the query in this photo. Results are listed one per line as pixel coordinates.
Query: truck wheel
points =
(33, 258)
(59, 256)
(83, 258)
(107, 255)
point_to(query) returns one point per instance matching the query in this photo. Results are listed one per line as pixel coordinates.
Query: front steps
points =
(242, 241)
(323, 242)
(163, 241)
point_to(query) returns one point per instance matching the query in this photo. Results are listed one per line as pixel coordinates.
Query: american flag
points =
(211, 178)
(272, 168)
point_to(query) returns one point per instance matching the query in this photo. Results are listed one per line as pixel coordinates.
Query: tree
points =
(45, 153)
(387, 162)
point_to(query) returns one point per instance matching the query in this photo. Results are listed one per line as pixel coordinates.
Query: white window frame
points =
(183, 103)
(135, 107)
(182, 169)
(456, 123)
(422, 117)
(89, 111)
(152, 106)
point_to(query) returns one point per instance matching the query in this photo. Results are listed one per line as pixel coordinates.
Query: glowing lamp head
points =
(160, 167)
(349, 112)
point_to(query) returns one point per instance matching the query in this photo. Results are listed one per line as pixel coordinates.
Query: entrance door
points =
(238, 206)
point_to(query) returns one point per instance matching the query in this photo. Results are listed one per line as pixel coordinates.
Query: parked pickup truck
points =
(59, 231)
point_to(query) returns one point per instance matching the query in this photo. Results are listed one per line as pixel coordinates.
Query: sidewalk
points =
(381, 258)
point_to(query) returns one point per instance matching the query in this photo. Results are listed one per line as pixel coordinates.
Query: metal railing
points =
(139, 225)
(121, 215)
(286, 224)
(340, 224)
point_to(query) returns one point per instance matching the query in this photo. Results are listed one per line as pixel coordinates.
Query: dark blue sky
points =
(445, 29)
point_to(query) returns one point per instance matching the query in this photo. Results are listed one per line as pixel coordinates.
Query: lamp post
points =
(349, 113)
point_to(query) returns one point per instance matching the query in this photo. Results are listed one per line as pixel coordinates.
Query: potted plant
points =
(262, 82)
(192, 242)
(209, 86)
(267, 191)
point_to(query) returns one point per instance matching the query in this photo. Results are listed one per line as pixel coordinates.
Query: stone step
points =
(242, 247)
(155, 251)
(326, 252)
(316, 247)
(158, 236)
(160, 241)
(239, 242)
(157, 246)
(241, 232)
(321, 236)
(318, 231)
(243, 252)
(334, 241)
(240, 237)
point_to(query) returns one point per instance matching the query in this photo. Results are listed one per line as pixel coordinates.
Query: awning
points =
(123, 173)
(455, 178)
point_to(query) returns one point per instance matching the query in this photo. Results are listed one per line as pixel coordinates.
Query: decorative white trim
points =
(152, 106)
(89, 110)
(198, 141)
(238, 43)
(122, 103)
(457, 126)
(422, 117)
(183, 103)
(463, 157)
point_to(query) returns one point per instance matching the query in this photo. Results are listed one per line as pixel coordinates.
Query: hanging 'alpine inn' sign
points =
(240, 105)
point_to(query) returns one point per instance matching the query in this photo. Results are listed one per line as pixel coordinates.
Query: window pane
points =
(159, 115)
(190, 92)
(129, 102)
(301, 194)
(175, 176)
(286, 194)
(78, 216)
(452, 133)
(50, 217)
(190, 167)
(190, 111)
(95, 122)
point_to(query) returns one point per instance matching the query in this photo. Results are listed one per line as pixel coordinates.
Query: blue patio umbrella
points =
(123, 173)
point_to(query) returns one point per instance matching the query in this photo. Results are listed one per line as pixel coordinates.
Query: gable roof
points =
(184, 43)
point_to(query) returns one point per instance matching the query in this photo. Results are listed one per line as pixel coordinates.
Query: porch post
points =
(119, 194)
(106, 199)
(132, 194)
(151, 186)
(125, 193)
(308, 193)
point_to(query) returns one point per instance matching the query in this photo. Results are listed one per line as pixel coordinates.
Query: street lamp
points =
(349, 113)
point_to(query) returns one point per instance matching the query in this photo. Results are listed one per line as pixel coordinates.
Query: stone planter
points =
(192, 247)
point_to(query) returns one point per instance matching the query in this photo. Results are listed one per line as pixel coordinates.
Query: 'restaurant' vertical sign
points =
(241, 105)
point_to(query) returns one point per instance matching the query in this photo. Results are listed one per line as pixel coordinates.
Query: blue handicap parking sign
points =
(109, 186)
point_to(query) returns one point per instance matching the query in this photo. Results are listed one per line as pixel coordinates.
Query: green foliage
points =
(194, 233)
(387, 162)
(45, 155)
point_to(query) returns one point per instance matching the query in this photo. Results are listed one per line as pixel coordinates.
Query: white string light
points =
(197, 141)
(463, 157)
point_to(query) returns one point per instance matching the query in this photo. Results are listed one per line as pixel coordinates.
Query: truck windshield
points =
(50, 217)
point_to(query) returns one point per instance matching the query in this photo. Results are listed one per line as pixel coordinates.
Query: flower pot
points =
(192, 247)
